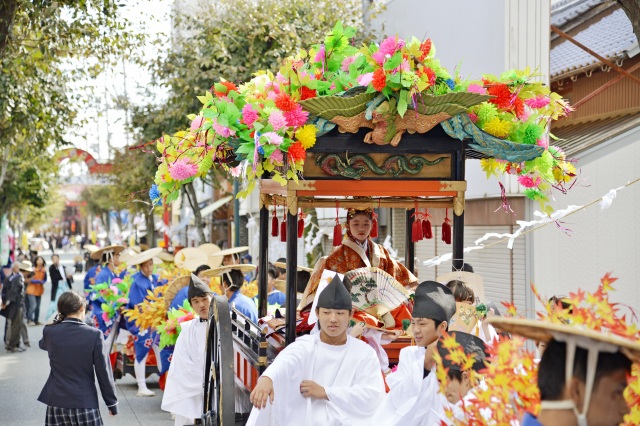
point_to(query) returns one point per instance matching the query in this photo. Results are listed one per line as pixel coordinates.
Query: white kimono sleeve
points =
(183, 392)
(359, 401)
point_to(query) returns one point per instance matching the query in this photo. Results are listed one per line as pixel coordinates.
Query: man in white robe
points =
(414, 397)
(183, 393)
(328, 378)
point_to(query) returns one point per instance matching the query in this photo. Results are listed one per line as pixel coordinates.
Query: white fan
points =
(371, 287)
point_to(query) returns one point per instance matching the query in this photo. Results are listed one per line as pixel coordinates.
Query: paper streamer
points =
(605, 202)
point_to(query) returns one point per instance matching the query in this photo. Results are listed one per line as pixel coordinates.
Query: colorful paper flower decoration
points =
(265, 126)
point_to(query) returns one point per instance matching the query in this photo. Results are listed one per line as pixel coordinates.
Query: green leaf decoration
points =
(402, 103)
(393, 62)
(328, 107)
(450, 103)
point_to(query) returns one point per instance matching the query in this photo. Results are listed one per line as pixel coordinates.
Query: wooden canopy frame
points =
(424, 170)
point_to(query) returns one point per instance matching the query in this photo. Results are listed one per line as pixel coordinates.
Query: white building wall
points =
(601, 241)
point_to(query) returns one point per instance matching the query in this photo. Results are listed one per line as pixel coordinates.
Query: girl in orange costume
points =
(358, 251)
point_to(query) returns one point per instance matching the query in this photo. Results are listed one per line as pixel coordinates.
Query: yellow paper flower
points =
(498, 128)
(307, 135)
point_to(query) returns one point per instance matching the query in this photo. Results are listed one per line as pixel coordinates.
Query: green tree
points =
(46, 48)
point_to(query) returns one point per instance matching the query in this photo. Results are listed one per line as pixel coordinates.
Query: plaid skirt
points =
(57, 416)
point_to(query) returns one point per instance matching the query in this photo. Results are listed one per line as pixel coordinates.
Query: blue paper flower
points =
(260, 150)
(450, 83)
(154, 195)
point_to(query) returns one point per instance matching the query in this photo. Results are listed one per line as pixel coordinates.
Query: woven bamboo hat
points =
(217, 272)
(90, 247)
(165, 256)
(115, 249)
(144, 256)
(545, 331)
(174, 287)
(190, 258)
(219, 256)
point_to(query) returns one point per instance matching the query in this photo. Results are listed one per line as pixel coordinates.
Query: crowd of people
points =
(337, 372)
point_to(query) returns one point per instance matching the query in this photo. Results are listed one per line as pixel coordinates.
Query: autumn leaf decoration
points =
(511, 370)
(151, 312)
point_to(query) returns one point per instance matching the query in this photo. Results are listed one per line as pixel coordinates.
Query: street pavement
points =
(23, 374)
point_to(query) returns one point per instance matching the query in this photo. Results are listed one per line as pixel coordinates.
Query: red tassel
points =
(427, 233)
(337, 234)
(446, 229)
(337, 230)
(300, 226)
(283, 231)
(274, 224)
(374, 226)
(416, 231)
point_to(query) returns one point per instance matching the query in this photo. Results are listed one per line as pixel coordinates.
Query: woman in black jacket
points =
(75, 350)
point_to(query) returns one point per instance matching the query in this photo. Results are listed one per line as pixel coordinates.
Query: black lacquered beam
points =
(263, 254)
(292, 267)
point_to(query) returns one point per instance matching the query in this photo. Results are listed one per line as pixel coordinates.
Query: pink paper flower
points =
(528, 182)
(473, 117)
(365, 79)
(182, 169)
(187, 317)
(296, 117)
(543, 142)
(197, 123)
(346, 62)
(116, 280)
(105, 317)
(123, 300)
(249, 116)
(404, 67)
(235, 171)
(476, 88)
(320, 56)
(277, 120)
(223, 131)
(277, 156)
(379, 57)
(273, 138)
(272, 95)
(537, 102)
(388, 47)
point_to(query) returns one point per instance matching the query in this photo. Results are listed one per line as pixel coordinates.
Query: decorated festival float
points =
(340, 126)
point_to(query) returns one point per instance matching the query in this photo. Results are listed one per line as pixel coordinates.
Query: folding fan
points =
(371, 287)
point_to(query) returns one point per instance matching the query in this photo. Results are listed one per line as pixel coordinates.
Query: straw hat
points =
(165, 256)
(144, 256)
(26, 266)
(128, 254)
(188, 257)
(283, 265)
(474, 281)
(115, 249)
(90, 247)
(216, 272)
(545, 331)
(210, 250)
(235, 250)
(174, 287)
